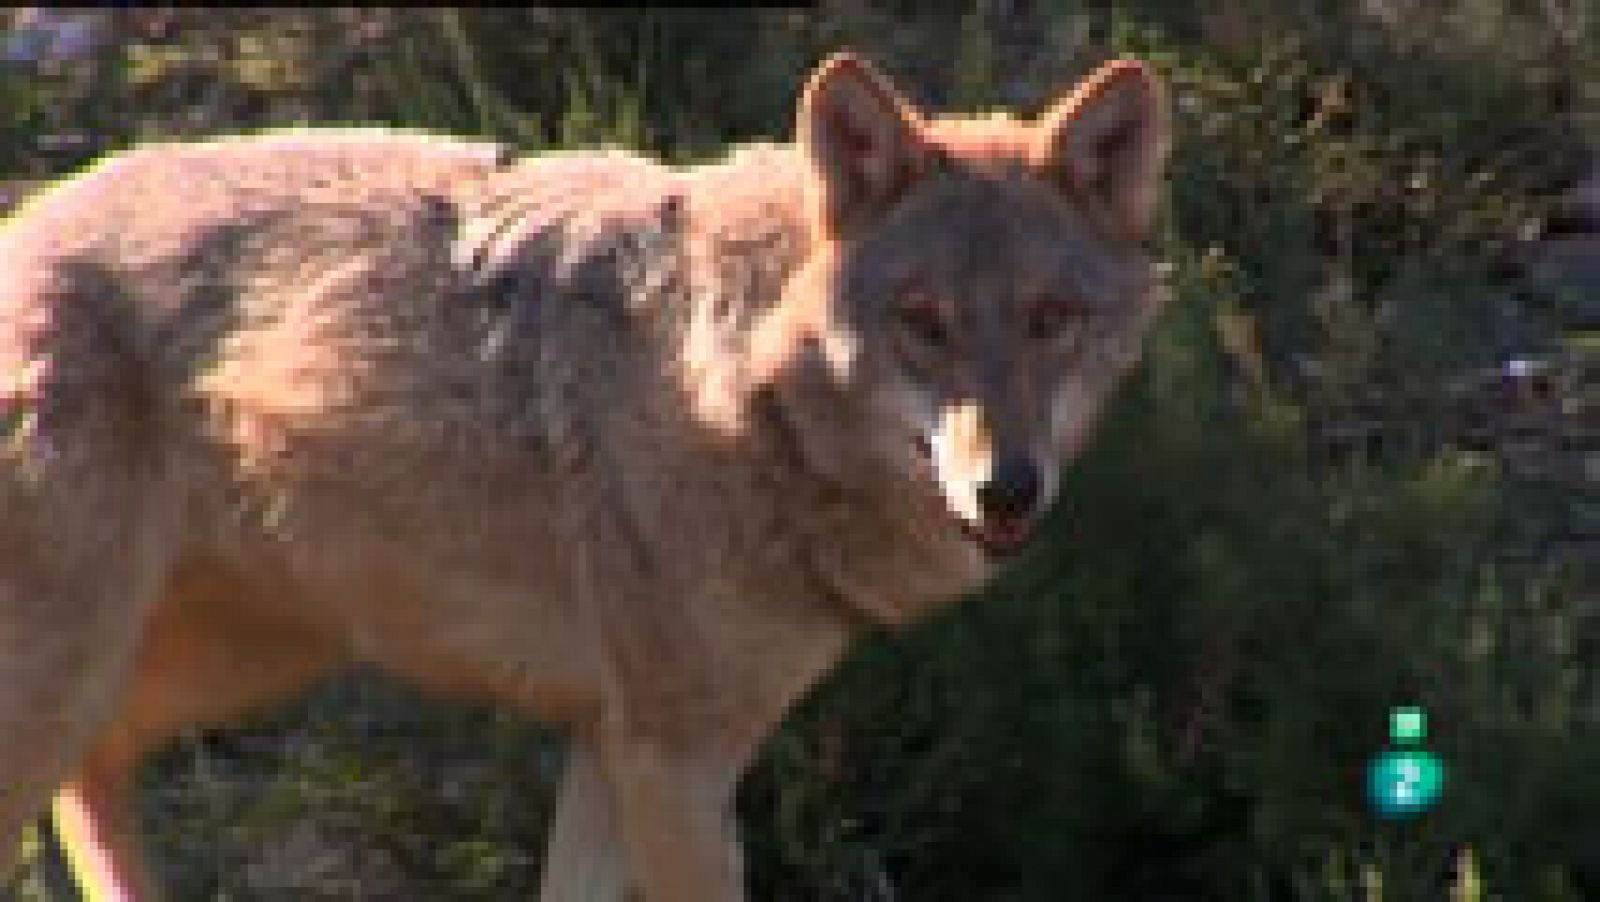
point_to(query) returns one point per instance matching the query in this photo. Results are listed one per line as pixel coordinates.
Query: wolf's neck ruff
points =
(784, 436)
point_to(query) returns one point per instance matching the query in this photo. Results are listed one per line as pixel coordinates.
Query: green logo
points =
(1407, 780)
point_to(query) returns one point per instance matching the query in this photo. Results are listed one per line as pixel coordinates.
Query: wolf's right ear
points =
(863, 139)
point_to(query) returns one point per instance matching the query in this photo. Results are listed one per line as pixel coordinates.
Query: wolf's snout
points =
(1007, 502)
(1011, 492)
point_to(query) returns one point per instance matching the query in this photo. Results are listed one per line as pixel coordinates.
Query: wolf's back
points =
(388, 327)
(275, 255)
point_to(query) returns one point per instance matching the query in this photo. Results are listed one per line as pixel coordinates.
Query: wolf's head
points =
(981, 283)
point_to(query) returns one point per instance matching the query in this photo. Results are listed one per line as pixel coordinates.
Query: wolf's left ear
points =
(1109, 139)
(863, 140)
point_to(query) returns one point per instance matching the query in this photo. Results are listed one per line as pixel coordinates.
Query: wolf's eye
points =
(1052, 316)
(921, 316)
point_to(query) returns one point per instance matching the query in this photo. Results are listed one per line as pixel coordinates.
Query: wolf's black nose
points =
(1011, 491)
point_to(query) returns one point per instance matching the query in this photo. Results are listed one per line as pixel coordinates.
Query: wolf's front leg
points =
(677, 823)
(583, 859)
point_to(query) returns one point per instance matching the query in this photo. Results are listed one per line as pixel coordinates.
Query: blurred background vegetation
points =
(1358, 468)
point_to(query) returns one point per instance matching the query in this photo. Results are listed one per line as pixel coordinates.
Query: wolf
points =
(629, 448)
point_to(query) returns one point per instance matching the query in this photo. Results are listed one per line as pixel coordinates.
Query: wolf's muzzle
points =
(1008, 501)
